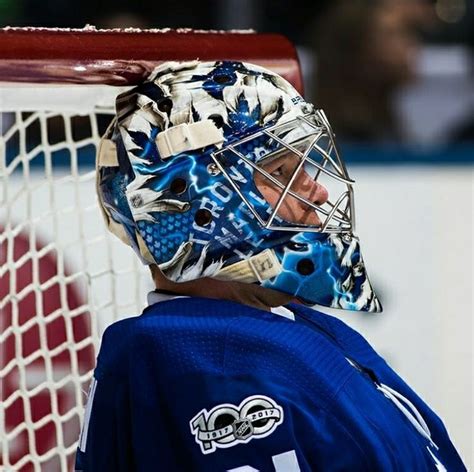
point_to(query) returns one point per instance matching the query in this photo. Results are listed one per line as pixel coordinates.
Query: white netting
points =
(63, 278)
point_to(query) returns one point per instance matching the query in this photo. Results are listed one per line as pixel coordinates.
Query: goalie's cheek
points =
(291, 209)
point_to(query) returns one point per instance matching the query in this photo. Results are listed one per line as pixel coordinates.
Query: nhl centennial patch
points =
(227, 425)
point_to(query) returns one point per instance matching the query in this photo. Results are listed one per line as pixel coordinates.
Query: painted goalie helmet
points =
(222, 170)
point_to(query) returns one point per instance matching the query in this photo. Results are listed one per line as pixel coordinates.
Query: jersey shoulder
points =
(173, 329)
(350, 340)
(201, 337)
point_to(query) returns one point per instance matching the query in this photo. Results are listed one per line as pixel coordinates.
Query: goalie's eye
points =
(282, 167)
(277, 172)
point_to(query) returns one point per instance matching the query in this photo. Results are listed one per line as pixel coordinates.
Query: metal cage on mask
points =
(310, 140)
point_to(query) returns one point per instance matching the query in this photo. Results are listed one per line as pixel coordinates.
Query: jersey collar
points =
(160, 296)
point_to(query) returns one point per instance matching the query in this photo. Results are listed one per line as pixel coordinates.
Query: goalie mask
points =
(222, 170)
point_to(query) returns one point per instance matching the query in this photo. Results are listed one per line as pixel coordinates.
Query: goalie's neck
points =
(247, 294)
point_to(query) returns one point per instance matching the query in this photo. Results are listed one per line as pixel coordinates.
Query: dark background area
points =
(294, 19)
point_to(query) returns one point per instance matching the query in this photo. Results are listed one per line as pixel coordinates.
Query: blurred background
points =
(396, 79)
(386, 71)
(400, 64)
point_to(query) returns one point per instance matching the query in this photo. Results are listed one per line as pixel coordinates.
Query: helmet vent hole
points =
(165, 105)
(305, 267)
(203, 217)
(222, 78)
(178, 186)
(217, 119)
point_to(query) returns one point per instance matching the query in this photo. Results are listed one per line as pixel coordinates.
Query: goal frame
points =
(39, 69)
(126, 56)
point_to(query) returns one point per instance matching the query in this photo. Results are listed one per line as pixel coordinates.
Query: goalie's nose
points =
(310, 189)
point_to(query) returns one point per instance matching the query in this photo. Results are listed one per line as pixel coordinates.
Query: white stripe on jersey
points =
(87, 416)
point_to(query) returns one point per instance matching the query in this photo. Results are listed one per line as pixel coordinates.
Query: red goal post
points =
(126, 57)
(63, 278)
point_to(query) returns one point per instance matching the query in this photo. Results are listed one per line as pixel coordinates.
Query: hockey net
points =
(63, 277)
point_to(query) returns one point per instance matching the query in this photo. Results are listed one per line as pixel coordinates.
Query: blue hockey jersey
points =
(197, 384)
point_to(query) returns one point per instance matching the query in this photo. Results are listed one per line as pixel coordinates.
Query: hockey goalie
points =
(229, 185)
